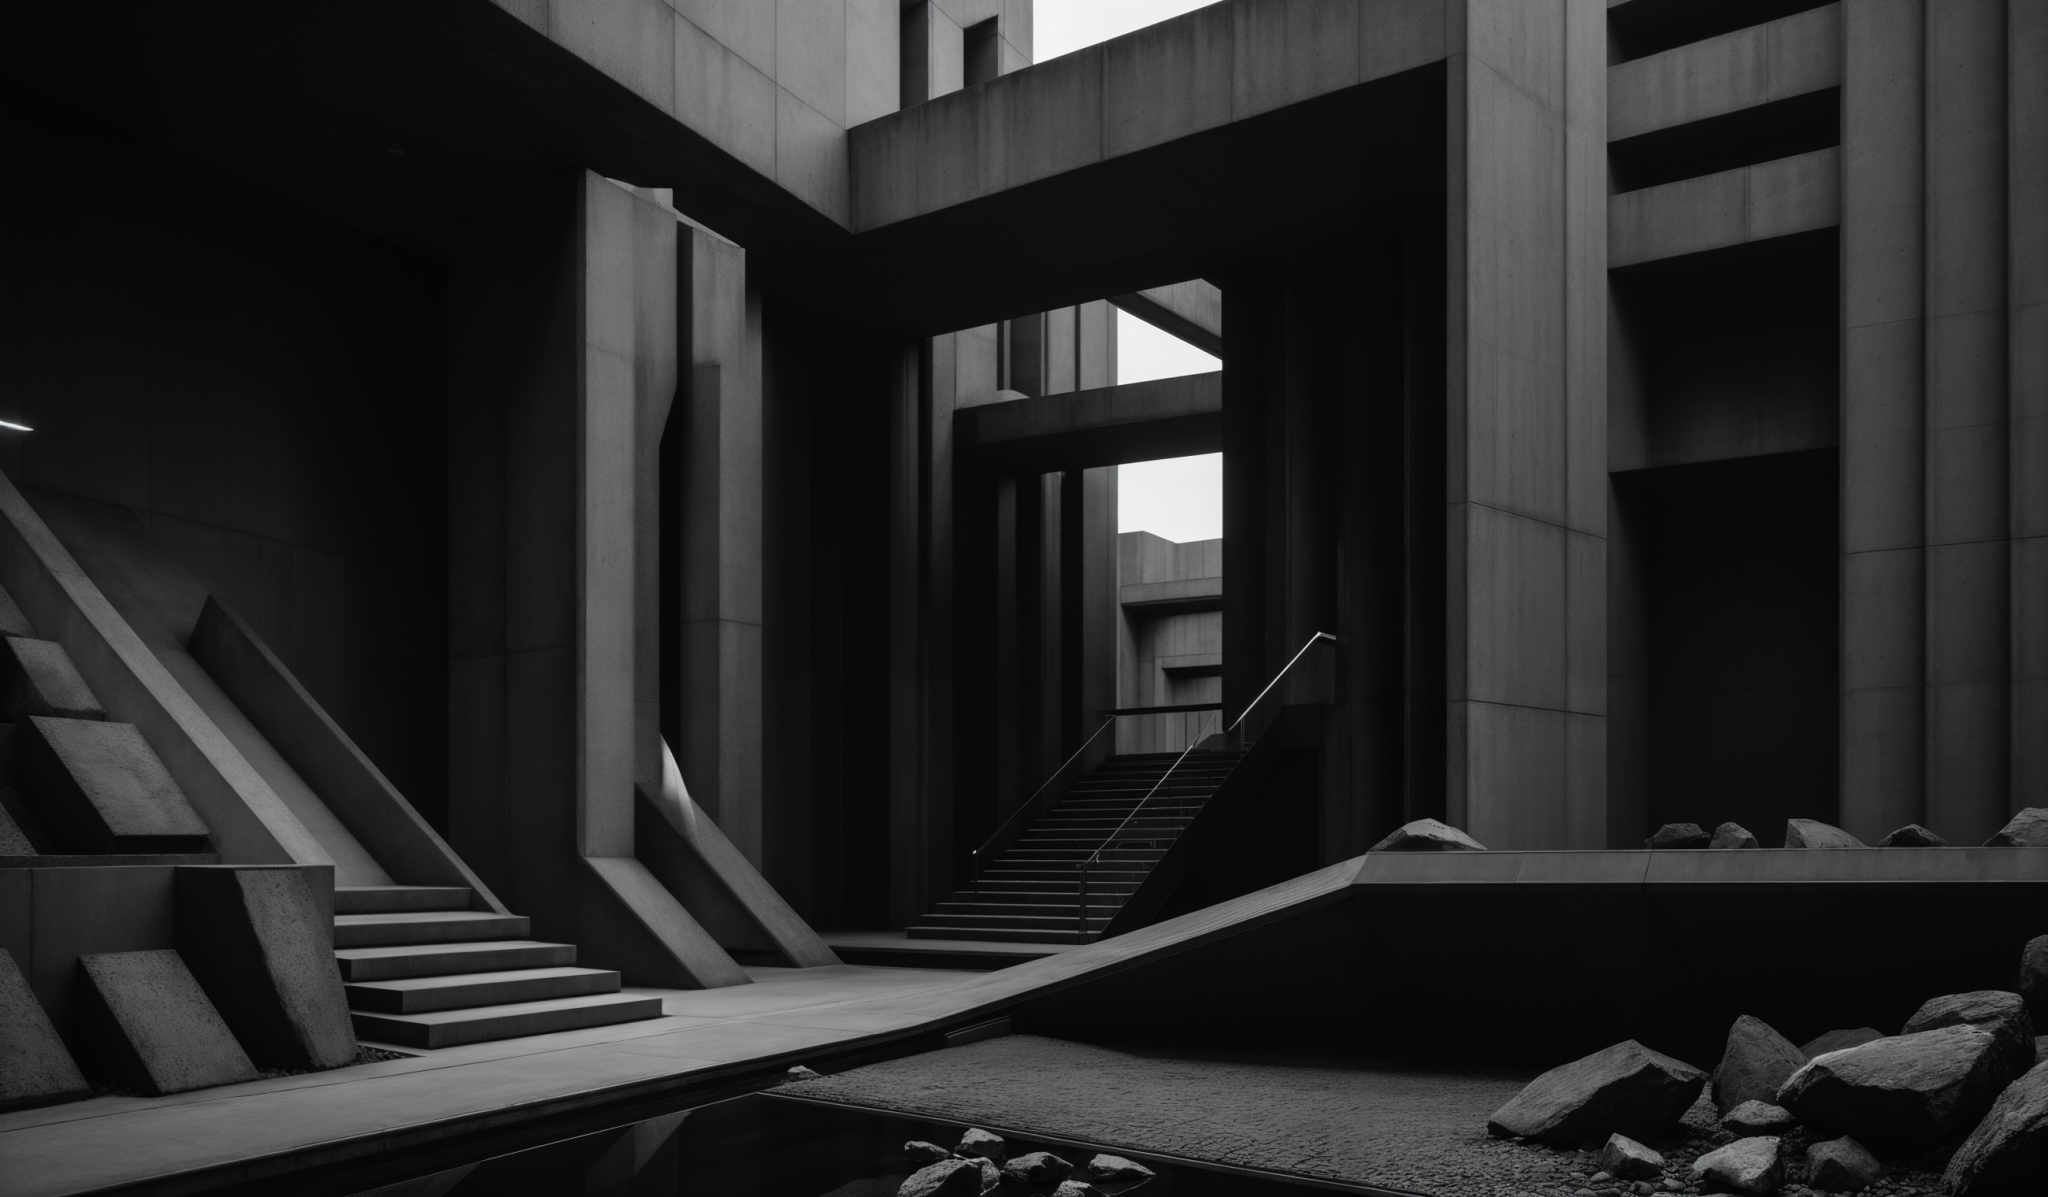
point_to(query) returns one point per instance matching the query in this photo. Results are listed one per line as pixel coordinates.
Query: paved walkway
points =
(107, 1141)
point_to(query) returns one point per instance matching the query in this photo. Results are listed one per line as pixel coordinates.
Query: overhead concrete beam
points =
(1774, 61)
(1139, 421)
(1719, 211)
(1192, 311)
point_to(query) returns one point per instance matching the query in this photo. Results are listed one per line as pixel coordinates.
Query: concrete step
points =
(1002, 934)
(420, 995)
(392, 899)
(1108, 871)
(1074, 856)
(480, 1024)
(987, 919)
(434, 960)
(1047, 889)
(426, 926)
(968, 909)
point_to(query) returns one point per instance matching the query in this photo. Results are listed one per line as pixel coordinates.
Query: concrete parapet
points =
(261, 941)
(149, 1025)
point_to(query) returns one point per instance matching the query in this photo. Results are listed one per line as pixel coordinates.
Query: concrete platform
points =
(896, 949)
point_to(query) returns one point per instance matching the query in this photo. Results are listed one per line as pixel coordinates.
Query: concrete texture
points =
(1142, 421)
(12, 621)
(261, 942)
(35, 1066)
(102, 789)
(1774, 61)
(1192, 311)
(38, 678)
(150, 1027)
(1718, 211)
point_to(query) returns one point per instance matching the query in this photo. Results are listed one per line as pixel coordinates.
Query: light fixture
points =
(11, 426)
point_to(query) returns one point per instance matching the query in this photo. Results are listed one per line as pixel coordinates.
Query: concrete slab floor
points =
(116, 1140)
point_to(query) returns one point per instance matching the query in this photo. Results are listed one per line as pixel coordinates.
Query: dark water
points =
(775, 1147)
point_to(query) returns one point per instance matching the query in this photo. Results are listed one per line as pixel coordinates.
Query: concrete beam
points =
(1140, 421)
(1774, 61)
(1720, 211)
(1173, 596)
(1192, 311)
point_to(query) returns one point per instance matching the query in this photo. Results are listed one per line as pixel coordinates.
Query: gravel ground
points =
(1422, 1132)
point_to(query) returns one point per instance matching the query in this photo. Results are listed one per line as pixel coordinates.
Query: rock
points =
(1996, 1010)
(1114, 1168)
(1812, 833)
(2033, 982)
(1076, 1188)
(1678, 835)
(2028, 829)
(1759, 1118)
(978, 1142)
(1733, 835)
(1841, 1166)
(1038, 1168)
(991, 1176)
(2008, 1152)
(1836, 1040)
(1744, 1166)
(1630, 1160)
(1754, 1064)
(947, 1178)
(1626, 1088)
(1900, 1094)
(921, 1153)
(1428, 835)
(1912, 835)
(800, 1072)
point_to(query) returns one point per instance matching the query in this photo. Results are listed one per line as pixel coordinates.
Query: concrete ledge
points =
(1180, 594)
(38, 678)
(1754, 203)
(261, 941)
(100, 788)
(35, 1066)
(150, 1026)
(1774, 61)
(1140, 421)
(1192, 311)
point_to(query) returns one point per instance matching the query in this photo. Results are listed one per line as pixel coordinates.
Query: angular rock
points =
(261, 943)
(1630, 1160)
(144, 1017)
(1812, 833)
(2033, 981)
(1744, 1166)
(1841, 1166)
(35, 1066)
(99, 787)
(1754, 1064)
(1998, 1011)
(38, 678)
(2028, 829)
(1038, 1168)
(1113, 1168)
(1733, 835)
(947, 1178)
(991, 1176)
(1678, 835)
(1427, 835)
(1759, 1118)
(920, 1153)
(978, 1142)
(2007, 1155)
(1626, 1088)
(1912, 835)
(1836, 1040)
(1904, 1093)
(1076, 1188)
(799, 1072)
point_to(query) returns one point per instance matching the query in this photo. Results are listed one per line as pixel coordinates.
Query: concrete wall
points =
(1167, 657)
(264, 418)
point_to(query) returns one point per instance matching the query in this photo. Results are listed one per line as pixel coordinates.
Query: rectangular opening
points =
(983, 53)
(1640, 28)
(1761, 134)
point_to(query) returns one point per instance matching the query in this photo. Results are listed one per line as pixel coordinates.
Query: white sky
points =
(1180, 498)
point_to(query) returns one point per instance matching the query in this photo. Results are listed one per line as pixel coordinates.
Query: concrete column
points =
(718, 732)
(1526, 403)
(1884, 417)
(2027, 353)
(1968, 586)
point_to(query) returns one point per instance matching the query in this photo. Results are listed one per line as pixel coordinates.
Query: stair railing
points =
(1236, 728)
(980, 854)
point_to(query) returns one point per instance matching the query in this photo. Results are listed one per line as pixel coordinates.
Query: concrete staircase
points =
(423, 968)
(1031, 892)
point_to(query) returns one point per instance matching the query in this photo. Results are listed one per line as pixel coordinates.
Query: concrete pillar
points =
(718, 464)
(1526, 404)
(2027, 353)
(1968, 587)
(1884, 417)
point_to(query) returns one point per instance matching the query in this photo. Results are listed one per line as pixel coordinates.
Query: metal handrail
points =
(974, 857)
(1096, 856)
